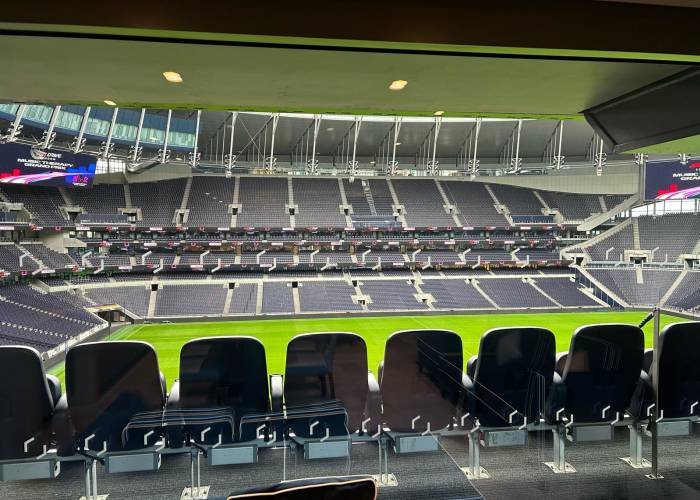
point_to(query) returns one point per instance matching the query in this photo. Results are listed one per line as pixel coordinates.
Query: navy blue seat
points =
(601, 372)
(28, 399)
(421, 376)
(222, 379)
(115, 392)
(326, 374)
(512, 373)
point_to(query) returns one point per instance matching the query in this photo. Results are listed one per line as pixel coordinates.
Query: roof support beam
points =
(194, 155)
(356, 127)
(17, 123)
(473, 165)
(49, 135)
(137, 148)
(271, 162)
(433, 164)
(230, 157)
(552, 151)
(312, 164)
(107, 145)
(165, 154)
(510, 154)
(80, 141)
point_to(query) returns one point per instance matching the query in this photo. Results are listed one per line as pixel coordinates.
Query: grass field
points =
(274, 334)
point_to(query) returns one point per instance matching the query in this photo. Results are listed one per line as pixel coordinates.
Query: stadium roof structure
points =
(500, 58)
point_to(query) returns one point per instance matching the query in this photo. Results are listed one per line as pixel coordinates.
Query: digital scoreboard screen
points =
(32, 166)
(672, 180)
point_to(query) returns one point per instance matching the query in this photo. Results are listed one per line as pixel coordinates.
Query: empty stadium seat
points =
(28, 399)
(512, 373)
(324, 370)
(421, 384)
(222, 379)
(601, 372)
(329, 488)
(116, 396)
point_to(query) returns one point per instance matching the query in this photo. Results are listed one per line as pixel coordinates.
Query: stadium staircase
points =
(501, 208)
(549, 297)
(152, 303)
(478, 288)
(596, 220)
(290, 191)
(397, 206)
(344, 201)
(450, 207)
(673, 287)
(635, 234)
(259, 299)
(601, 287)
(127, 195)
(368, 196)
(603, 205)
(38, 262)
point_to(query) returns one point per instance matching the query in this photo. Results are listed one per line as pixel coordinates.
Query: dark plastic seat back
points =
(107, 383)
(602, 369)
(514, 372)
(324, 367)
(329, 488)
(26, 403)
(224, 372)
(679, 369)
(422, 377)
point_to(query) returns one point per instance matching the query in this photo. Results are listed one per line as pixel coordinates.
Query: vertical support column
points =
(353, 163)
(432, 164)
(137, 145)
(558, 158)
(49, 134)
(516, 162)
(17, 123)
(271, 164)
(165, 156)
(79, 141)
(230, 157)
(194, 156)
(107, 147)
(397, 130)
(474, 162)
(600, 158)
(312, 165)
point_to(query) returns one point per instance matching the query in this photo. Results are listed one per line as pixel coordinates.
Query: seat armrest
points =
(467, 403)
(174, 396)
(164, 386)
(648, 360)
(54, 388)
(373, 407)
(556, 399)
(642, 397)
(276, 391)
(63, 431)
(561, 362)
(471, 366)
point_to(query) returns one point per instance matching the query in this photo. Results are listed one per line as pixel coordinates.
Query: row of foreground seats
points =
(116, 409)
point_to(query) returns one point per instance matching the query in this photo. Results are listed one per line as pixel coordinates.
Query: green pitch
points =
(275, 334)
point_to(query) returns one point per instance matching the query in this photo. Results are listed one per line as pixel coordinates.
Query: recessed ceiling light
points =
(398, 84)
(109, 103)
(172, 76)
(439, 113)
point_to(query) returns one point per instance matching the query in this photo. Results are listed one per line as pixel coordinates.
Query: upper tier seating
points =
(572, 206)
(318, 296)
(687, 294)
(519, 201)
(132, 298)
(388, 295)
(672, 234)
(42, 202)
(101, 203)
(566, 292)
(263, 201)
(209, 201)
(158, 201)
(10, 259)
(190, 300)
(454, 294)
(624, 284)
(619, 241)
(318, 202)
(50, 258)
(423, 203)
(475, 205)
